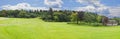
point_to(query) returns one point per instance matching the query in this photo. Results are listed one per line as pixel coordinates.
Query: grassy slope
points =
(16, 28)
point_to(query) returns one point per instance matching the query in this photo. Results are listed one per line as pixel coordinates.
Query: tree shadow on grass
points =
(89, 25)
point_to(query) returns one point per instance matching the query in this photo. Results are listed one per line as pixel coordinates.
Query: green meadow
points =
(34, 28)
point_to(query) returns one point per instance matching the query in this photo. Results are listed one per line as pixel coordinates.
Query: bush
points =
(96, 24)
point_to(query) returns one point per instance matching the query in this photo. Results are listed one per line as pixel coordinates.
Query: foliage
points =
(74, 17)
(117, 19)
(105, 20)
(90, 17)
(54, 15)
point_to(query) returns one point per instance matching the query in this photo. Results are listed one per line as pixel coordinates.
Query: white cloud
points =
(92, 6)
(87, 8)
(95, 3)
(114, 11)
(20, 6)
(25, 6)
(101, 9)
(53, 3)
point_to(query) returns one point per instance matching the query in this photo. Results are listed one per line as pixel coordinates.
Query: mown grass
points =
(20, 28)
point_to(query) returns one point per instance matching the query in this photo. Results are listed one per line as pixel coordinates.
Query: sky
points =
(110, 8)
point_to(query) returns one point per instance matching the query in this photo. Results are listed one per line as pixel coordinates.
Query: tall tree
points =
(22, 14)
(105, 20)
(80, 15)
(90, 17)
(74, 17)
(4, 13)
(51, 13)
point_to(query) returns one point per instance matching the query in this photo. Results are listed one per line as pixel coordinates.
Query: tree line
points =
(56, 16)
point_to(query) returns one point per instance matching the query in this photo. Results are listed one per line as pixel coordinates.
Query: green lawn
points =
(20, 28)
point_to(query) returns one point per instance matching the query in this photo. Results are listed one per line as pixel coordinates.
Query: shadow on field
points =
(89, 25)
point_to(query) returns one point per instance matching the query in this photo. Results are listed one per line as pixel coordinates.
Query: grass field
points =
(20, 28)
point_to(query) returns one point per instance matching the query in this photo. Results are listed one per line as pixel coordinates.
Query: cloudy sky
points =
(109, 8)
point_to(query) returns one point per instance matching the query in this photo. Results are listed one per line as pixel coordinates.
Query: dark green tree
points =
(51, 13)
